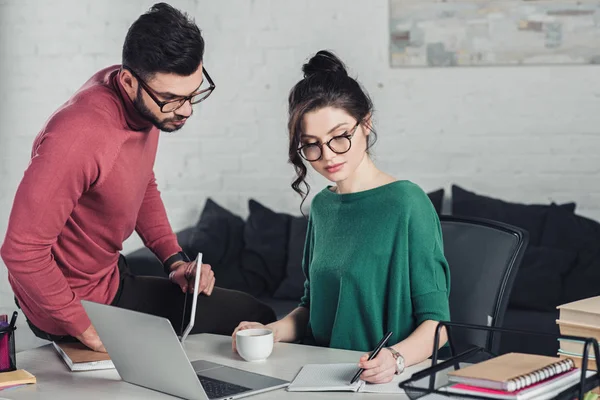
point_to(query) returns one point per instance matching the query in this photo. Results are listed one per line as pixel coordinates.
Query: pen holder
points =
(8, 359)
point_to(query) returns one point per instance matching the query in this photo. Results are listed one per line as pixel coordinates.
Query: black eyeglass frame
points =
(348, 135)
(183, 100)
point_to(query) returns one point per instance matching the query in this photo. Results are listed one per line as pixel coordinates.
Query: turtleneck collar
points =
(132, 117)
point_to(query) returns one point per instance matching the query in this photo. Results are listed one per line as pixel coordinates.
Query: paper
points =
(325, 377)
(390, 387)
(336, 377)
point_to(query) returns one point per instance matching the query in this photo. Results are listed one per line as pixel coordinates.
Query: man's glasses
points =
(338, 144)
(172, 105)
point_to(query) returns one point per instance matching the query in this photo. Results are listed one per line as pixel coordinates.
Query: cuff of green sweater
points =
(431, 306)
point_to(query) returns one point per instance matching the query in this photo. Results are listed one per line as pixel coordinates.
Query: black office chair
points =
(484, 257)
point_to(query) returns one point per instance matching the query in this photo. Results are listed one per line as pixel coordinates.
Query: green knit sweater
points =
(374, 263)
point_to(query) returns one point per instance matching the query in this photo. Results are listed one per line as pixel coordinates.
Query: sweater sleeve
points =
(153, 225)
(428, 269)
(306, 259)
(60, 170)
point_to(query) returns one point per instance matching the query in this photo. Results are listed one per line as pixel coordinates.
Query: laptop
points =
(147, 352)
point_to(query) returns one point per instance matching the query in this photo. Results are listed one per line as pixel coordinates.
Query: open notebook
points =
(79, 358)
(336, 378)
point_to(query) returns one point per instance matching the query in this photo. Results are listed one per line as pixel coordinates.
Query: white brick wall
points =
(526, 134)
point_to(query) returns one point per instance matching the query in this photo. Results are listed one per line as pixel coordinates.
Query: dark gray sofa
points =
(262, 256)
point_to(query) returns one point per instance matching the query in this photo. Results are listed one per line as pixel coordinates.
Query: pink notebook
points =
(549, 387)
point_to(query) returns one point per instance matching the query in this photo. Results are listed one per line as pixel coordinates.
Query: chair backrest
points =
(484, 257)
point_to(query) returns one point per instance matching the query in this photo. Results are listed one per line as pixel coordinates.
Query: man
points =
(90, 183)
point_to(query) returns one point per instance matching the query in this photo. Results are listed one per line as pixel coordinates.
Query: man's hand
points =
(91, 339)
(183, 274)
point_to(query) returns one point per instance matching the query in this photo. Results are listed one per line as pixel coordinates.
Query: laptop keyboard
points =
(215, 388)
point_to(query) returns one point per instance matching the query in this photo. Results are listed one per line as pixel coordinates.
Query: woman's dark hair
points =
(163, 40)
(326, 84)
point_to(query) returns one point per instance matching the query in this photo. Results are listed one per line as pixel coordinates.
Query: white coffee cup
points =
(254, 344)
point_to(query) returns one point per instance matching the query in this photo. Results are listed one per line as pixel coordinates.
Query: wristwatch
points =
(399, 360)
(181, 256)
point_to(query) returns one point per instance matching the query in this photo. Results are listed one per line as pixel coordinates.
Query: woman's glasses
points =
(338, 144)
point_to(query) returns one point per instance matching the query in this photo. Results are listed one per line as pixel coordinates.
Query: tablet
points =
(188, 329)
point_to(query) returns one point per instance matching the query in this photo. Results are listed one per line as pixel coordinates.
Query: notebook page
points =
(393, 386)
(390, 387)
(325, 377)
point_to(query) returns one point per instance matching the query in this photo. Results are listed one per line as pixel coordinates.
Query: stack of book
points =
(516, 376)
(579, 318)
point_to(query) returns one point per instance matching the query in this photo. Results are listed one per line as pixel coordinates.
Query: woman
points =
(373, 256)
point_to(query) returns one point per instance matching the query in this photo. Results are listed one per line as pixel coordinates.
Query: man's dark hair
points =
(163, 40)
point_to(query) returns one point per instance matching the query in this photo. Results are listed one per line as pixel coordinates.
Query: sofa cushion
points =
(539, 281)
(531, 217)
(437, 199)
(581, 235)
(266, 241)
(218, 234)
(292, 287)
(532, 321)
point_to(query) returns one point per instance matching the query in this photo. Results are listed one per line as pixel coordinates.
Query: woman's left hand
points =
(381, 369)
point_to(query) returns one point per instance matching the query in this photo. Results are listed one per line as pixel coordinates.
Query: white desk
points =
(55, 381)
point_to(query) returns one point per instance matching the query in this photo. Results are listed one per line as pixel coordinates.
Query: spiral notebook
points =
(511, 372)
(543, 390)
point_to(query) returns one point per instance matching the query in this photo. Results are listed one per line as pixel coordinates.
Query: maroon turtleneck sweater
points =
(89, 184)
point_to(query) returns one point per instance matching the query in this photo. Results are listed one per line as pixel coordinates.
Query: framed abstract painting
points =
(454, 33)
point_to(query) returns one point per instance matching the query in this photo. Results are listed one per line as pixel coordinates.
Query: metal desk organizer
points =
(7, 344)
(434, 378)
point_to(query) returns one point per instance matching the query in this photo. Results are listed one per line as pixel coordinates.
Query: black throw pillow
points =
(566, 230)
(437, 199)
(539, 282)
(292, 287)
(265, 251)
(219, 235)
(581, 235)
(531, 217)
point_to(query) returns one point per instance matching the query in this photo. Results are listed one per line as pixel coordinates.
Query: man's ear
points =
(127, 80)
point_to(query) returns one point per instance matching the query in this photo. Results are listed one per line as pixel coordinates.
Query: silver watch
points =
(399, 360)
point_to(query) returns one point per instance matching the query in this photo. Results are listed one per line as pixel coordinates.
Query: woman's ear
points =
(367, 124)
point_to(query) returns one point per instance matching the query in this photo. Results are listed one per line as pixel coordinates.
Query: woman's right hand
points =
(251, 325)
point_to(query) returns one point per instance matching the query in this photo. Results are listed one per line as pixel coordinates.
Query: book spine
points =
(534, 377)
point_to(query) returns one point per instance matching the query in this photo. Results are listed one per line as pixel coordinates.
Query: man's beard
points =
(145, 112)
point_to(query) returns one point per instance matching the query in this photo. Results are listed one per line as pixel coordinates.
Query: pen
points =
(13, 320)
(380, 345)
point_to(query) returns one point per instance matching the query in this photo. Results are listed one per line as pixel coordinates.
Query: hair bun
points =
(324, 62)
